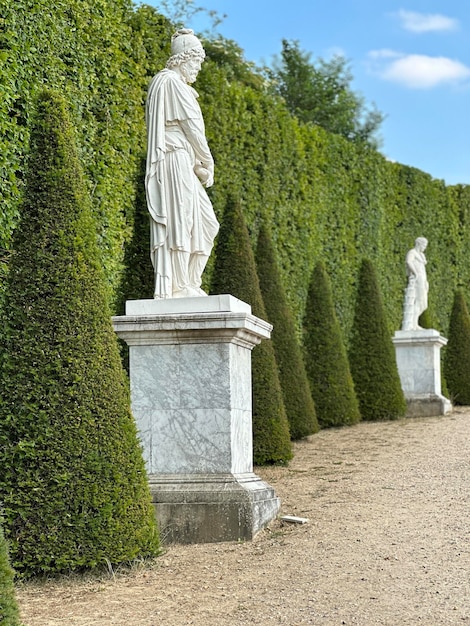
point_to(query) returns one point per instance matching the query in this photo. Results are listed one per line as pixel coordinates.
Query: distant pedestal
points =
(190, 376)
(419, 367)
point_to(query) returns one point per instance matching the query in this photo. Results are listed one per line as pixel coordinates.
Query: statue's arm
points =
(194, 131)
(410, 264)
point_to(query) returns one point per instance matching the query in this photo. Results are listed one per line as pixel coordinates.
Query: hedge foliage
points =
(298, 401)
(235, 273)
(323, 197)
(72, 481)
(327, 199)
(325, 356)
(457, 352)
(9, 613)
(100, 55)
(372, 354)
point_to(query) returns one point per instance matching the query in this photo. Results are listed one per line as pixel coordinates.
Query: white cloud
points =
(384, 53)
(417, 71)
(426, 22)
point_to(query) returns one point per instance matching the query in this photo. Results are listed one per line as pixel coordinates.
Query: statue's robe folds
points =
(416, 292)
(418, 261)
(182, 217)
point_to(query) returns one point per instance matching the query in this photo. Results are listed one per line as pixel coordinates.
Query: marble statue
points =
(179, 165)
(416, 292)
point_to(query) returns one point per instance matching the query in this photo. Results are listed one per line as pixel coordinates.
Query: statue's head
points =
(187, 54)
(421, 243)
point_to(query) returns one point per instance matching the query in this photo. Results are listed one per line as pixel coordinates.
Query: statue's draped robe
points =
(182, 217)
(418, 261)
(416, 292)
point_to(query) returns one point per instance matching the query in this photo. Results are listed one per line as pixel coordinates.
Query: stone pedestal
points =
(419, 367)
(190, 375)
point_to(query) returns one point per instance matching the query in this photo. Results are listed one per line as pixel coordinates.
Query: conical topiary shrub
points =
(372, 355)
(457, 352)
(298, 401)
(138, 279)
(235, 273)
(9, 614)
(72, 479)
(325, 356)
(425, 320)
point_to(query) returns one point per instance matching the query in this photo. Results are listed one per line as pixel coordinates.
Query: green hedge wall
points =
(328, 199)
(99, 54)
(323, 197)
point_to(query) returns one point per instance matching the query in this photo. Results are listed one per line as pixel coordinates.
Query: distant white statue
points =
(416, 292)
(183, 224)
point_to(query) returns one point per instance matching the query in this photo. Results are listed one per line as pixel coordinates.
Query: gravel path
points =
(388, 542)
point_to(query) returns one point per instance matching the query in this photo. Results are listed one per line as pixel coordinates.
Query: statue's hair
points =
(421, 240)
(182, 57)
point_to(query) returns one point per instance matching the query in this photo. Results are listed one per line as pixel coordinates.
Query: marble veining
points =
(192, 400)
(192, 441)
(240, 378)
(203, 382)
(242, 442)
(155, 380)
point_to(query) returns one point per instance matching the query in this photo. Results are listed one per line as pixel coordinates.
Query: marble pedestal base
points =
(205, 508)
(419, 367)
(190, 375)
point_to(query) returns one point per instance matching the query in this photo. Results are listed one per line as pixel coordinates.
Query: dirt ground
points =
(387, 542)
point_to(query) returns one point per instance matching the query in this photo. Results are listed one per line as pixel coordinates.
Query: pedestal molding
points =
(241, 328)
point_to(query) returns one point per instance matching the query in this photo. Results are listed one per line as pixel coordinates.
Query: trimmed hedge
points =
(457, 352)
(73, 481)
(298, 400)
(372, 354)
(138, 278)
(100, 54)
(325, 198)
(325, 356)
(9, 613)
(235, 273)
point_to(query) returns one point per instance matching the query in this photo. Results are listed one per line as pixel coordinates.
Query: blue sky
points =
(411, 58)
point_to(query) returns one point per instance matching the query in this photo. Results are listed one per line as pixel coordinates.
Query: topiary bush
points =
(325, 356)
(9, 613)
(298, 401)
(235, 273)
(425, 320)
(372, 354)
(456, 360)
(138, 279)
(73, 481)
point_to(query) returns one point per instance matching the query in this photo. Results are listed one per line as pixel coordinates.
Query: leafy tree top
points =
(320, 93)
(227, 54)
